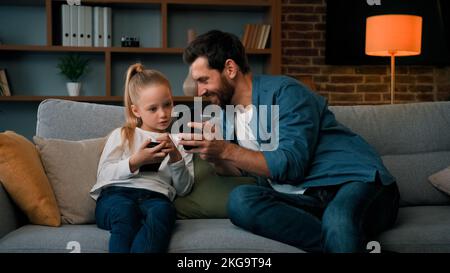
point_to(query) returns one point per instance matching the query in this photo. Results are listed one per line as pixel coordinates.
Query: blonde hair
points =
(137, 78)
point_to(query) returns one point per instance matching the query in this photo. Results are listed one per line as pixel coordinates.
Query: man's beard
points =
(221, 96)
(224, 93)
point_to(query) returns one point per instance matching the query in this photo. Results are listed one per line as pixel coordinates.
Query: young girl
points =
(133, 203)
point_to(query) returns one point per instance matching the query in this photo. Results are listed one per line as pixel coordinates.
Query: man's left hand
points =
(207, 145)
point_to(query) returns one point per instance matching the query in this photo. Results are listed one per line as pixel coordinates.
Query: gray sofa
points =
(413, 140)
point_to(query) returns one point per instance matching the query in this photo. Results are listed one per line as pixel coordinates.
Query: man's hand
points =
(228, 158)
(217, 152)
(211, 150)
(208, 145)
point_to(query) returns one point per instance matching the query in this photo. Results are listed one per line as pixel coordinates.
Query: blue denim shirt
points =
(314, 149)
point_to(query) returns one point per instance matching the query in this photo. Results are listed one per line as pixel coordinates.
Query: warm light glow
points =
(396, 34)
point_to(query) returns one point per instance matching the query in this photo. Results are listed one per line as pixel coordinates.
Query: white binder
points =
(88, 25)
(65, 18)
(81, 22)
(98, 26)
(73, 25)
(107, 36)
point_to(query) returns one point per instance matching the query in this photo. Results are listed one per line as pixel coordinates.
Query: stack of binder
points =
(86, 26)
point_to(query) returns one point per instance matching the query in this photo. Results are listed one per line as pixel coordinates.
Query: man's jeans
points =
(340, 218)
(139, 220)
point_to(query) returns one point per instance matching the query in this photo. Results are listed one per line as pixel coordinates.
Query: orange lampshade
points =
(393, 34)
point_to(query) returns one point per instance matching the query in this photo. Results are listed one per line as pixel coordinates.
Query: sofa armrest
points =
(9, 215)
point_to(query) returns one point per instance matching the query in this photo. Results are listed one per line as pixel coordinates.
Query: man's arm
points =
(246, 160)
(237, 159)
(229, 158)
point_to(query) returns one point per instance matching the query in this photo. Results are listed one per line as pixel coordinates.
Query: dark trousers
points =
(139, 220)
(340, 218)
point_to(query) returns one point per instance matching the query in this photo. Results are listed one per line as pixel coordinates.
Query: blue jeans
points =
(139, 220)
(341, 218)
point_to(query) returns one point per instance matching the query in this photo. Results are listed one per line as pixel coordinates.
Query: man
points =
(323, 189)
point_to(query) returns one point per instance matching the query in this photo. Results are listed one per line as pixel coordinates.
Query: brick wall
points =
(303, 57)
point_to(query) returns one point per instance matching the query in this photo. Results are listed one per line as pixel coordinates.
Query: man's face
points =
(211, 83)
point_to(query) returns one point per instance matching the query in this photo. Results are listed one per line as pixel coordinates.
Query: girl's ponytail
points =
(131, 122)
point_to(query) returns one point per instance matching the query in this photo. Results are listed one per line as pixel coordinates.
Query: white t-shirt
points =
(114, 168)
(247, 139)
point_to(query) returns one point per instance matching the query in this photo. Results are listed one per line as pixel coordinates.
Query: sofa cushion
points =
(400, 128)
(200, 235)
(220, 235)
(72, 120)
(441, 180)
(412, 171)
(423, 229)
(71, 167)
(41, 239)
(209, 195)
(24, 179)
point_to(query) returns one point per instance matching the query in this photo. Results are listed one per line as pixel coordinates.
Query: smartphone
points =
(152, 144)
(203, 118)
(151, 167)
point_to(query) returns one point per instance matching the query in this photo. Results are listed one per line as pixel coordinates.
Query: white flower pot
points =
(73, 88)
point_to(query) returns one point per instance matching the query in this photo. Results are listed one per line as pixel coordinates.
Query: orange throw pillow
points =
(23, 177)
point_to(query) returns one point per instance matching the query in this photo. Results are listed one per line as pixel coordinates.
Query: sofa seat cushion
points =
(218, 236)
(199, 235)
(423, 229)
(43, 239)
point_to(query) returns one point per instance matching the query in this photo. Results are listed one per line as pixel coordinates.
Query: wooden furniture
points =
(31, 35)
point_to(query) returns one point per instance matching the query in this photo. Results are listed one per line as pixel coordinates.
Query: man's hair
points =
(217, 47)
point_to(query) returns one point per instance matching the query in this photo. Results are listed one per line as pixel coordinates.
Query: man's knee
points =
(241, 202)
(340, 230)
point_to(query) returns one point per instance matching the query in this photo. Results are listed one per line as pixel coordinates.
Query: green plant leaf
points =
(73, 66)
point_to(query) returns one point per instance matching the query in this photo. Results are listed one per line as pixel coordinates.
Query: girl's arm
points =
(183, 175)
(182, 170)
(114, 162)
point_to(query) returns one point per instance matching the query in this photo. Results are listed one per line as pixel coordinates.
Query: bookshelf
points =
(31, 35)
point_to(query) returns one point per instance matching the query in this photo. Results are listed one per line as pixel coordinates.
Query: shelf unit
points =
(30, 58)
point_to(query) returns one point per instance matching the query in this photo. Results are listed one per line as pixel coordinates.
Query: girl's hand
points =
(147, 155)
(170, 148)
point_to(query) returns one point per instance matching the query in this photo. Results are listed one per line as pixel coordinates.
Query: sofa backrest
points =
(70, 120)
(413, 139)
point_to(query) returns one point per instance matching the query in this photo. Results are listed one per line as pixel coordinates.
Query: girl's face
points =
(154, 108)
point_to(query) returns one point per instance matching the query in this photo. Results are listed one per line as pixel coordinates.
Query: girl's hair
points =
(137, 78)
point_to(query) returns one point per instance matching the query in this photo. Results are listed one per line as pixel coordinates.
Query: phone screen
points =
(151, 167)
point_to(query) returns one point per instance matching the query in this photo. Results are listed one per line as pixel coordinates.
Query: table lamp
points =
(393, 35)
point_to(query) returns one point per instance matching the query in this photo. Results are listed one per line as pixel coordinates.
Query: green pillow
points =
(209, 195)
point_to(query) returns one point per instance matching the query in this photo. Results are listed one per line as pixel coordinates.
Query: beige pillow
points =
(441, 180)
(71, 167)
(24, 179)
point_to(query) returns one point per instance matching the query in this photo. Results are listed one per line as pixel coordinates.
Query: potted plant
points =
(73, 67)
